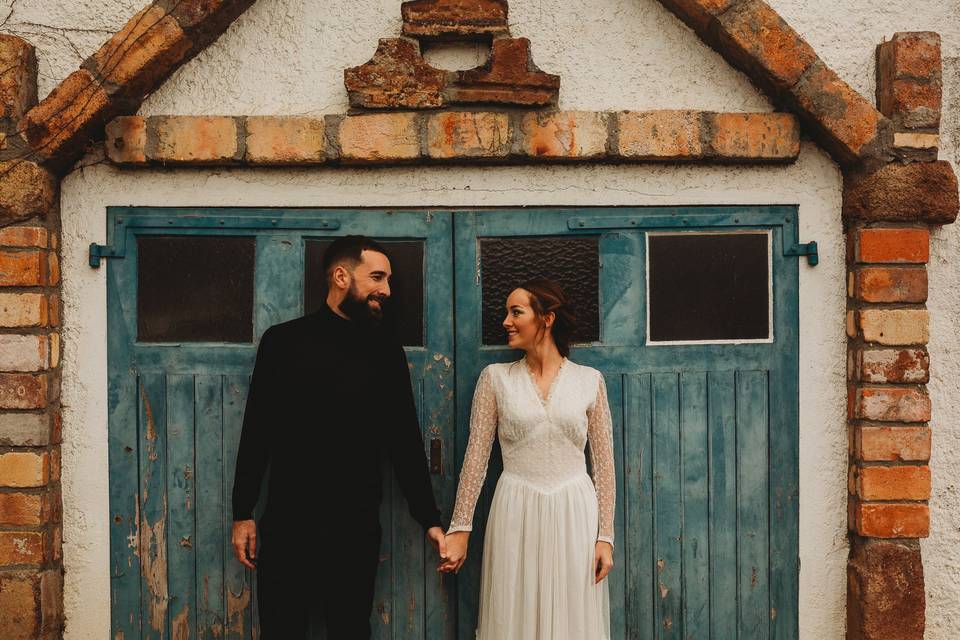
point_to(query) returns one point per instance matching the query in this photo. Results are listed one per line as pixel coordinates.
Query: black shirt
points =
(329, 398)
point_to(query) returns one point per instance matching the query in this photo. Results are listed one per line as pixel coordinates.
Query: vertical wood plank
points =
(752, 506)
(618, 576)
(124, 508)
(236, 578)
(382, 615)
(181, 534)
(668, 504)
(696, 516)
(723, 505)
(153, 506)
(211, 513)
(638, 491)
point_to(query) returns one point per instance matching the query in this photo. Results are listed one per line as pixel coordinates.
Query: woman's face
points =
(522, 324)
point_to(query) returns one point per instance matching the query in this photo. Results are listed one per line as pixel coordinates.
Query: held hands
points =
(436, 538)
(457, 543)
(603, 560)
(244, 541)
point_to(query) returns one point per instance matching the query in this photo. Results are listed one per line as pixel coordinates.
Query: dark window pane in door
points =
(709, 287)
(574, 263)
(195, 289)
(404, 310)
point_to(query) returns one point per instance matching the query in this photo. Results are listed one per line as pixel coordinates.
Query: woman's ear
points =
(548, 319)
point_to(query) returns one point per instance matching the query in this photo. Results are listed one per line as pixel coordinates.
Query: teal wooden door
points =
(176, 405)
(706, 431)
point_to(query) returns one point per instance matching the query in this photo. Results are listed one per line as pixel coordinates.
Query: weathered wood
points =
(638, 498)
(181, 508)
(211, 509)
(238, 591)
(723, 504)
(667, 506)
(154, 592)
(696, 515)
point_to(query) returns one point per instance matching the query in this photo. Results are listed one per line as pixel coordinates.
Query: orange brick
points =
(20, 604)
(893, 483)
(754, 136)
(285, 141)
(23, 310)
(895, 326)
(893, 365)
(53, 269)
(21, 547)
(698, 13)
(893, 245)
(892, 404)
(53, 306)
(21, 509)
(194, 139)
(892, 444)
(65, 119)
(22, 268)
(23, 237)
(468, 134)
(890, 284)
(22, 391)
(29, 190)
(24, 469)
(891, 520)
(126, 140)
(565, 134)
(379, 137)
(18, 82)
(659, 135)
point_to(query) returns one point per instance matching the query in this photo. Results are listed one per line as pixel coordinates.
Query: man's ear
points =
(341, 277)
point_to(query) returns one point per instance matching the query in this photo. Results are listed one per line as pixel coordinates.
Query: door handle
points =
(436, 456)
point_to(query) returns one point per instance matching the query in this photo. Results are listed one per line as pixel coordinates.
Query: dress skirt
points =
(537, 581)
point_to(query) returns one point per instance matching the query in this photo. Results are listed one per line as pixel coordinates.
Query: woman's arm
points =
(600, 437)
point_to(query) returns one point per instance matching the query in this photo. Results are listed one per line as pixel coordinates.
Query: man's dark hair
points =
(348, 249)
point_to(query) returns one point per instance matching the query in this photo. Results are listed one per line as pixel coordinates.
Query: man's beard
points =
(359, 309)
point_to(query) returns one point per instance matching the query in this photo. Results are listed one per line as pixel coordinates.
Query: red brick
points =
(23, 310)
(891, 284)
(379, 137)
(63, 122)
(468, 135)
(698, 14)
(659, 135)
(909, 79)
(21, 547)
(21, 509)
(892, 444)
(893, 245)
(24, 469)
(454, 19)
(19, 604)
(736, 137)
(892, 404)
(285, 141)
(53, 305)
(126, 140)
(55, 464)
(907, 482)
(18, 82)
(22, 268)
(204, 20)
(22, 391)
(891, 520)
(893, 365)
(885, 591)
(396, 77)
(910, 55)
(508, 78)
(23, 237)
(53, 269)
(142, 54)
(27, 190)
(916, 192)
(913, 105)
(193, 139)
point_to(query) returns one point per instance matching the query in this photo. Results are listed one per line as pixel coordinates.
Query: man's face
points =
(369, 287)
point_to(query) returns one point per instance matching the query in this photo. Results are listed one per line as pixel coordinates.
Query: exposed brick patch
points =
(18, 82)
(892, 444)
(890, 284)
(396, 77)
(454, 19)
(892, 404)
(23, 310)
(902, 482)
(885, 595)
(909, 80)
(915, 192)
(468, 135)
(24, 469)
(509, 77)
(381, 137)
(895, 326)
(881, 366)
(892, 245)
(285, 141)
(664, 135)
(891, 520)
(196, 140)
(27, 190)
(564, 134)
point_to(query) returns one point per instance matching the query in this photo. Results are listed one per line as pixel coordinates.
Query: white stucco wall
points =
(287, 58)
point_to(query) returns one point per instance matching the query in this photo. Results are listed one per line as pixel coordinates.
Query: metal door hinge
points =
(808, 249)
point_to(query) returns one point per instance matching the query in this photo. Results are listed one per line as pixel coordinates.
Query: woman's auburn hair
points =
(546, 296)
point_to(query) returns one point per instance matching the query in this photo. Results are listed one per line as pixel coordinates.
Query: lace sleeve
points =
(600, 436)
(483, 429)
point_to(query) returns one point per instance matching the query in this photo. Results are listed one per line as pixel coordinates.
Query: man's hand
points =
(245, 542)
(603, 559)
(436, 538)
(457, 543)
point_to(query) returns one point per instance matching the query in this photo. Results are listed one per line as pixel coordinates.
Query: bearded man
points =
(330, 396)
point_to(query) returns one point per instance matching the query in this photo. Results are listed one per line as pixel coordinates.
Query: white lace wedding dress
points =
(537, 579)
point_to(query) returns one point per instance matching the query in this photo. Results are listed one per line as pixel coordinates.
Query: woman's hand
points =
(603, 560)
(457, 543)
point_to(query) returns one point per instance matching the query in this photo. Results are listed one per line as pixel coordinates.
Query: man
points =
(330, 395)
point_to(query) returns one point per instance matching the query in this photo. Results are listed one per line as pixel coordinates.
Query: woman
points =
(549, 537)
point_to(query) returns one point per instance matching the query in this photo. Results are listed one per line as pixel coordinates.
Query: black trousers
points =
(332, 573)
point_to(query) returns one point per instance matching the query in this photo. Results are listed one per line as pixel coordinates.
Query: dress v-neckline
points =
(544, 401)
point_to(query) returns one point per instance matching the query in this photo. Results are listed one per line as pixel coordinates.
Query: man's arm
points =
(405, 443)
